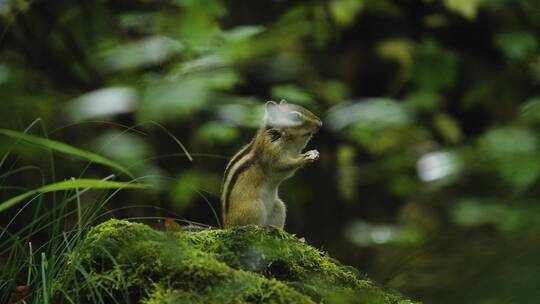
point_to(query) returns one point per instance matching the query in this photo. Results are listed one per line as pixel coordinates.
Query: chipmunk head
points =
(294, 120)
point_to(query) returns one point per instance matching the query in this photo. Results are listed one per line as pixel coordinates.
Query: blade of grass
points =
(31, 228)
(30, 263)
(64, 148)
(70, 185)
(13, 146)
(216, 217)
(178, 142)
(44, 278)
(17, 170)
(101, 122)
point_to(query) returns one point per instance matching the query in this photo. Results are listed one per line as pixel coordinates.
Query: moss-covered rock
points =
(125, 261)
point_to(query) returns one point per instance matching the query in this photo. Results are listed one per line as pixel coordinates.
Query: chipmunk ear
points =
(270, 103)
(282, 101)
(271, 109)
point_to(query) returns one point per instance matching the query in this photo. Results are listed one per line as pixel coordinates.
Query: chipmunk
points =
(253, 175)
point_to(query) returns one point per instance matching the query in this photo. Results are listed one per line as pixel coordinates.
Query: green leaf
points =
(140, 54)
(401, 51)
(448, 127)
(344, 11)
(516, 45)
(508, 218)
(215, 132)
(242, 33)
(530, 110)
(68, 185)
(435, 67)
(125, 148)
(170, 100)
(370, 113)
(397, 49)
(425, 100)
(198, 23)
(332, 91)
(470, 212)
(64, 148)
(466, 8)
(512, 153)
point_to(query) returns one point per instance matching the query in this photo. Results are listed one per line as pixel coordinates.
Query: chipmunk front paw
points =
(311, 156)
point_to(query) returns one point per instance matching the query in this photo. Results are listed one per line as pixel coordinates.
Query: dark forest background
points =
(428, 176)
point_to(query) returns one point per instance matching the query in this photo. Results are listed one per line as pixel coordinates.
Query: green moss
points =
(120, 260)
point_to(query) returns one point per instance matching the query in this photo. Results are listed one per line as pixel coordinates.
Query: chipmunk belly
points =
(269, 195)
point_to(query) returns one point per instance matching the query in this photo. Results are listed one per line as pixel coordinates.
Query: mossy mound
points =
(125, 261)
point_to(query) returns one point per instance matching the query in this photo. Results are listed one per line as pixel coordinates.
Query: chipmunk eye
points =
(296, 116)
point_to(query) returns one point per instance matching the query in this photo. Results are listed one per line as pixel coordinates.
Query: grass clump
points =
(131, 261)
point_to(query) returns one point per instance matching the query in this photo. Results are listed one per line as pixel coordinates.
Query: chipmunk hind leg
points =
(277, 216)
(251, 213)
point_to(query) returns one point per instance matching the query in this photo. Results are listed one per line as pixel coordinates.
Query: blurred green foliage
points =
(428, 177)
